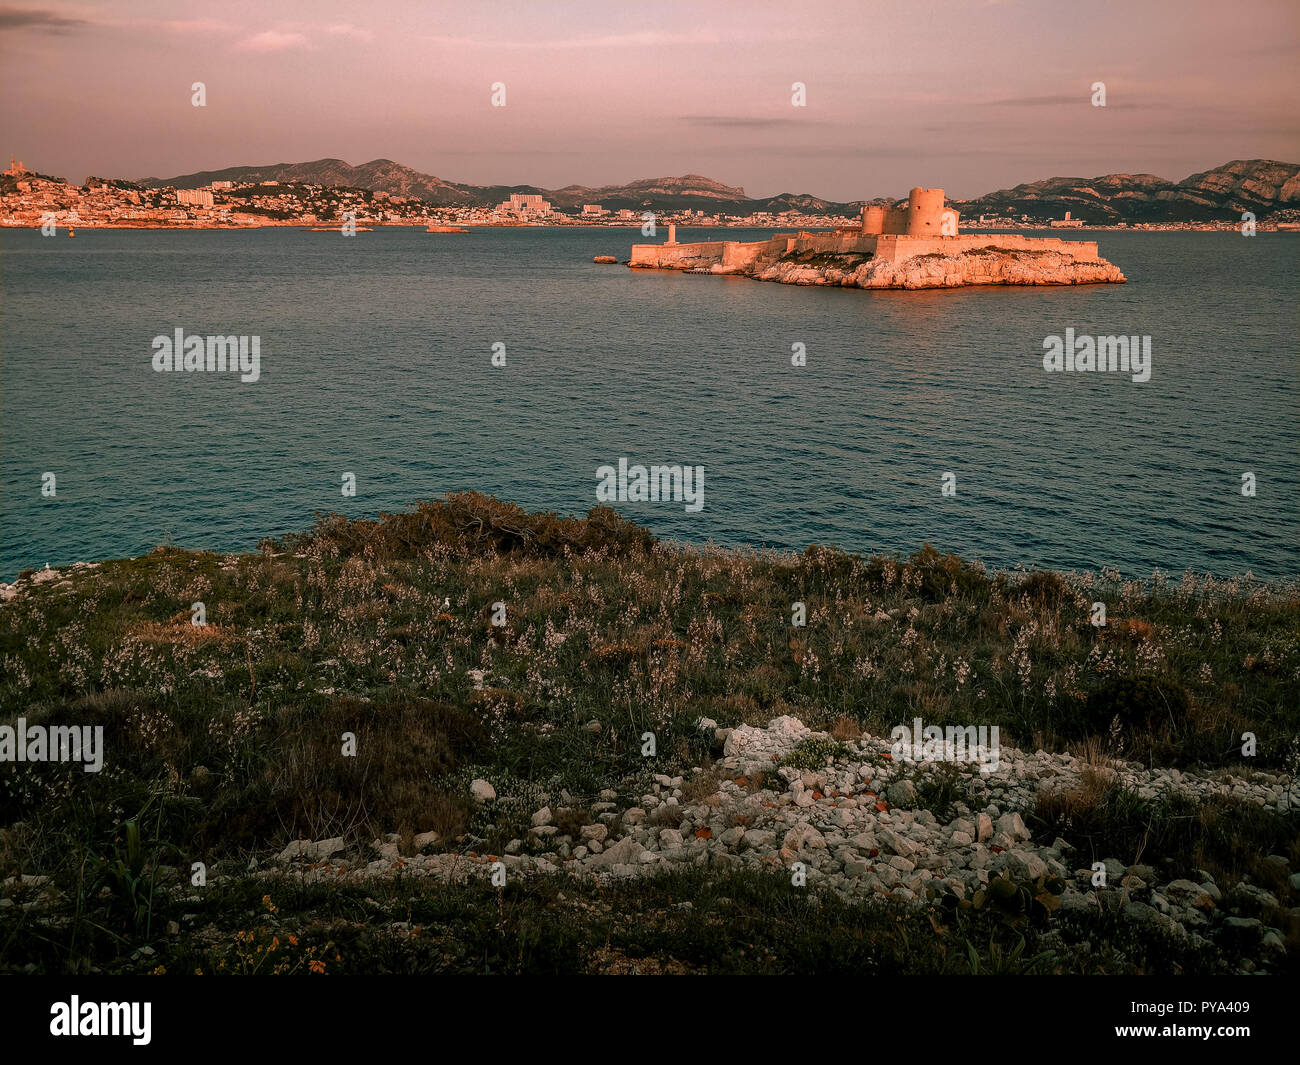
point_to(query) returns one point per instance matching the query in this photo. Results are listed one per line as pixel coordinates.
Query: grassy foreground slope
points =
(468, 639)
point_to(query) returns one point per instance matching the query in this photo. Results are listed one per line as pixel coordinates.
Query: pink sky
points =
(968, 96)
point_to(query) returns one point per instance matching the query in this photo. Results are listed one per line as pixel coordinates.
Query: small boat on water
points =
(446, 229)
(72, 232)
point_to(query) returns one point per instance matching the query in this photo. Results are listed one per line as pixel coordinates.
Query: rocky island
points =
(912, 246)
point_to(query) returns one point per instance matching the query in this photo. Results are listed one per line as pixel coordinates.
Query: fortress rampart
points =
(892, 234)
(892, 247)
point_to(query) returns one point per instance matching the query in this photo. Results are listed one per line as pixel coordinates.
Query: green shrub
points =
(1043, 586)
(1013, 903)
(934, 575)
(470, 523)
(813, 753)
(1142, 704)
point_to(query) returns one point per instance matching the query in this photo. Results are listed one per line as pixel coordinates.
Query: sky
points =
(970, 97)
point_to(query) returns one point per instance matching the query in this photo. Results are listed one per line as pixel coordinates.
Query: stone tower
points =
(873, 220)
(924, 212)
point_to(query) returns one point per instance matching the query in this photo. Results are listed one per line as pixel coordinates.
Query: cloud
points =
(1061, 100)
(42, 21)
(273, 41)
(741, 122)
(641, 39)
(197, 25)
(346, 29)
(1044, 101)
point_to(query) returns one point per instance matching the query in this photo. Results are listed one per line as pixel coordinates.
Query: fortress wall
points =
(1080, 250)
(895, 220)
(896, 247)
(667, 256)
(734, 253)
(836, 242)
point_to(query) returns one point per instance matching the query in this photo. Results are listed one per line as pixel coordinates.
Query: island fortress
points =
(924, 226)
(876, 253)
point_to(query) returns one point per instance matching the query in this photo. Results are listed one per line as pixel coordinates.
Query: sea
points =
(917, 417)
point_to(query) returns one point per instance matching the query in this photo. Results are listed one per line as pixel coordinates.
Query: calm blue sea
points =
(375, 360)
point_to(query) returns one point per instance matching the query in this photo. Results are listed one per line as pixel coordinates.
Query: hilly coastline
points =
(1263, 186)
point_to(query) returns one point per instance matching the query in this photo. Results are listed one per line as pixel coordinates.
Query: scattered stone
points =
(626, 851)
(801, 836)
(901, 793)
(849, 841)
(1013, 826)
(894, 843)
(312, 852)
(1026, 865)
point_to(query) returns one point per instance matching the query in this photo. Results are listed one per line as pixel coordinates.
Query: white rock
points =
(754, 747)
(626, 851)
(803, 835)
(313, 852)
(1026, 864)
(1013, 826)
(901, 793)
(895, 843)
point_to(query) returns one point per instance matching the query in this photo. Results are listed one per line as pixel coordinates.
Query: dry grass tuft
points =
(846, 730)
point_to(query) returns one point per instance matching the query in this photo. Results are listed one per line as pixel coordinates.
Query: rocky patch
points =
(982, 267)
(857, 827)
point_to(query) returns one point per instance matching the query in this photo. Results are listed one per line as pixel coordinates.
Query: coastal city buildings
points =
(525, 205)
(28, 198)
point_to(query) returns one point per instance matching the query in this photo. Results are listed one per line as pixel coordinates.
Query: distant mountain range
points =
(1259, 185)
(691, 191)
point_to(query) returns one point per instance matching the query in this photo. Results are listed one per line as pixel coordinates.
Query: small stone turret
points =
(873, 220)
